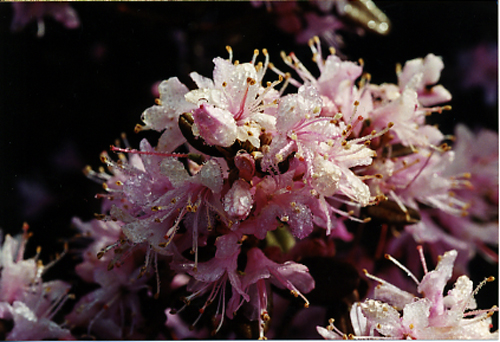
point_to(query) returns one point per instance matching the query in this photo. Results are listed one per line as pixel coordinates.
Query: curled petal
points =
(216, 126)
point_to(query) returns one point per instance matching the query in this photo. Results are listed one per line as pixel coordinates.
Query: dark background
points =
(66, 97)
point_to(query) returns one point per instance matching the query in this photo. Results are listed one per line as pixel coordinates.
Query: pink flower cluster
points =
(244, 177)
(25, 299)
(434, 316)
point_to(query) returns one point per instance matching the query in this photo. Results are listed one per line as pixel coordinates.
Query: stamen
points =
(134, 151)
(57, 305)
(58, 257)
(481, 284)
(262, 72)
(480, 317)
(398, 69)
(255, 54)
(293, 290)
(347, 214)
(138, 128)
(22, 245)
(422, 258)
(288, 78)
(332, 327)
(372, 277)
(488, 312)
(315, 46)
(104, 308)
(401, 205)
(439, 109)
(301, 69)
(420, 171)
(157, 294)
(230, 51)
(145, 267)
(401, 266)
(107, 249)
(373, 135)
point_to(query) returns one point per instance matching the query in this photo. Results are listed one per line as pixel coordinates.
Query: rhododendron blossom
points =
(264, 169)
(254, 195)
(434, 315)
(25, 299)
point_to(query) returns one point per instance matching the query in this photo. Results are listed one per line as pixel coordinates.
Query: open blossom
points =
(407, 104)
(153, 194)
(397, 314)
(335, 85)
(193, 198)
(422, 75)
(164, 116)
(212, 276)
(259, 272)
(408, 118)
(420, 178)
(267, 169)
(476, 157)
(455, 193)
(119, 278)
(233, 105)
(25, 299)
(279, 198)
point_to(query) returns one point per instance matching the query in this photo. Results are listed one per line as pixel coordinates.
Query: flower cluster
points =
(25, 299)
(434, 316)
(246, 179)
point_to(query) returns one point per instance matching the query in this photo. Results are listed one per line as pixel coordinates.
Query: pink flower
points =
(279, 198)
(195, 198)
(259, 272)
(433, 316)
(429, 317)
(128, 167)
(477, 157)
(408, 118)
(212, 276)
(421, 75)
(25, 299)
(406, 105)
(420, 177)
(120, 279)
(335, 85)
(164, 116)
(322, 144)
(298, 127)
(233, 106)
(29, 326)
(101, 310)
